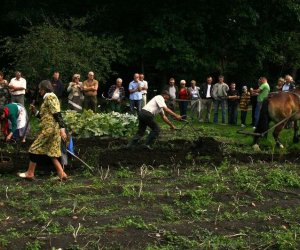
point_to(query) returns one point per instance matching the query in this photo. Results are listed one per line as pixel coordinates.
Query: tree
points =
(63, 47)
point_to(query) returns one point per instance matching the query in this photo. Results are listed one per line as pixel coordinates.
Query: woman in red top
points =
(183, 94)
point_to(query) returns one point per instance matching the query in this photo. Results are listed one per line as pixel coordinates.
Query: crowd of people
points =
(83, 95)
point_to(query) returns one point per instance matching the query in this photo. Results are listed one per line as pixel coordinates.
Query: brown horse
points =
(277, 107)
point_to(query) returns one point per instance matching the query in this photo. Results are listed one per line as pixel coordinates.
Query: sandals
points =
(25, 177)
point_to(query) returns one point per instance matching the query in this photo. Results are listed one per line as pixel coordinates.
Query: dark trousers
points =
(217, 103)
(254, 103)
(18, 99)
(90, 102)
(232, 113)
(243, 117)
(146, 119)
(115, 106)
(183, 108)
(206, 105)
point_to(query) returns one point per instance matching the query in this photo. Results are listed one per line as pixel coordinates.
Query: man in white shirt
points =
(206, 99)
(157, 105)
(17, 87)
(144, 85)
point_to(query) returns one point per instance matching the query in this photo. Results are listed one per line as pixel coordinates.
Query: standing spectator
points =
(194, 93)
(253, 100)
(57, 85)
(4, 91)
(289, 84)
(220, 94)
(173, 91)
(17, 87)
(90, 88)
(232, 102)
(75, 90)
(3, 82)
(52, 131)
(279, 85)
(135, 90)
(183, 95)
(206, 94)
(263, 92)
(116, 94)
(144, 85)
(244, 102)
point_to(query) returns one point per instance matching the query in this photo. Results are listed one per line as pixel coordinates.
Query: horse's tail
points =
(264, 118)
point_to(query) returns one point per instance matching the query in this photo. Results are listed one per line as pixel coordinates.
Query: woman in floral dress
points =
(52, 130)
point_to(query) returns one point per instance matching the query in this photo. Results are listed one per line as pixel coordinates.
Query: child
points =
(244, 102)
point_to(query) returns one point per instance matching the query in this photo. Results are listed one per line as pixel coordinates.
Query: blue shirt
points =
(135, 95)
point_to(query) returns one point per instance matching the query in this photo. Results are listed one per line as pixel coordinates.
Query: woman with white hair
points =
(289, 84)
(75, 97)
(183, 95)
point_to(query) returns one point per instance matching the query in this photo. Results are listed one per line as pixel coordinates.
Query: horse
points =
(279, 107)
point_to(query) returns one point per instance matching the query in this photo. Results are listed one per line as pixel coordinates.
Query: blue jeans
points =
(135, 104)
(257, 112)
(217, 103)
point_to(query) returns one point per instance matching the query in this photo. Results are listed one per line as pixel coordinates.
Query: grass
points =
(231, 205)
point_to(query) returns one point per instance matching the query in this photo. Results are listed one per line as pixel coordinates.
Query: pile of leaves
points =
(88, 124)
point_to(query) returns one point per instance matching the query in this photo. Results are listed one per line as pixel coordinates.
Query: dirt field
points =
(180, 195)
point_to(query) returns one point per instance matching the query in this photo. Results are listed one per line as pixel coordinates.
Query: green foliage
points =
(247, 179)
(63, 47)
(88, 124)
(280, 178)
(35, 245)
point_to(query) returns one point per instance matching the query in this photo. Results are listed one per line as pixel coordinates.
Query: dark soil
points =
(112, 152)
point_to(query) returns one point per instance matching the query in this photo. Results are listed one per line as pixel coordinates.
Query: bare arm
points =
(169, 111)
(166, 120)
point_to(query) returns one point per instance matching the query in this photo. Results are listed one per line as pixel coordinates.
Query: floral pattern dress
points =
(48, 141)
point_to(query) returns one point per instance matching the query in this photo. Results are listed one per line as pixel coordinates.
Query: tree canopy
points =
(241, 39)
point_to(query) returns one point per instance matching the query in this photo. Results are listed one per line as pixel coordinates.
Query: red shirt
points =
(183, 94)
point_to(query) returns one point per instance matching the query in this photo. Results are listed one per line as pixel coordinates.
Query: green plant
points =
(88, 124)
(35, 245)
(129, 190)
(280, 178)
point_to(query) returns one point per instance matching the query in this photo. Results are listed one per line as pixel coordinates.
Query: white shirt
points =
(116, 94)
(286, 87)
(208, 91)
(21, 83)
(155, 105)
(144, 84)
(172, 92)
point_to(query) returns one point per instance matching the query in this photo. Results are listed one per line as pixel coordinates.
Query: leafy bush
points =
(88, 124)
(63, 47)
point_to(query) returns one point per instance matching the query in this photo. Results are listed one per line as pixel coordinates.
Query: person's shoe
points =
(254, 128)
(24, 176)
(146, 146)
